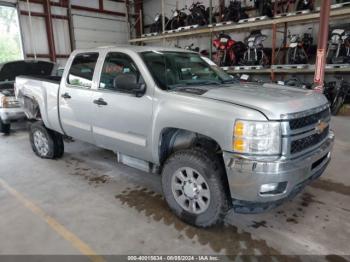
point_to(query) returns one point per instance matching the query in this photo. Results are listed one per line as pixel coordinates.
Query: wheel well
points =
(174, 139)
(32, 108)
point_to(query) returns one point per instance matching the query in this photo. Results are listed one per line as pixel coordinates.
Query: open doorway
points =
(10, 35)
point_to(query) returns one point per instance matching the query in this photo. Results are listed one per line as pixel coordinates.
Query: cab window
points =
(82, 70)
(117, 64)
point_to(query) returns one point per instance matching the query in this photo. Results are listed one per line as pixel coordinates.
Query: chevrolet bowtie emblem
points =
(320, 127)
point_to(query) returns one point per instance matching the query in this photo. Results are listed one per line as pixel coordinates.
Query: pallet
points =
(301, 66)
(242, 68)
(253, 19)
(336, 6)
(171, 31)
(189, 27)
(302, 12)
(149, 34)
(335, 66)
(221, 24)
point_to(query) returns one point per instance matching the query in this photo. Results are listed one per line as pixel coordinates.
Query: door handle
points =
(100, 102)
(66, 96)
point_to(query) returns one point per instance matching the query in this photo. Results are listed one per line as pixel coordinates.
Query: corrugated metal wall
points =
(90, 29)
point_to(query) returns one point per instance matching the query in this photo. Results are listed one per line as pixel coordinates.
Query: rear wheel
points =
(46, 143)
(194, 188)
(4, 128)
(175, 24)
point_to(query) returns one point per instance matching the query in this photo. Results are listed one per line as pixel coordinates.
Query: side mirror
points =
(127, 83)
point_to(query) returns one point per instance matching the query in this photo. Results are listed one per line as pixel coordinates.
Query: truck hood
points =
(6, 88)
(270, 99)
(9, 71)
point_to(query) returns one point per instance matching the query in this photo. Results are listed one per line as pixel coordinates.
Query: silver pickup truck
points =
(217, 143)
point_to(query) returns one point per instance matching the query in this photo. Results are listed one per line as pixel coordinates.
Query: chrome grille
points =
(307, 142)
(303, 130)
(309, 120)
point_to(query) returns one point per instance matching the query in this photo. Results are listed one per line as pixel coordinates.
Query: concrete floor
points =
(85, 203)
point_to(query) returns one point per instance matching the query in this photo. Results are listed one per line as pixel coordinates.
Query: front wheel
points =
(194, 187)
(337, 105)
(46, 143)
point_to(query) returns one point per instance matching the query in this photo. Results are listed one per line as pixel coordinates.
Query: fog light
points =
(273, 188)
(268, 187)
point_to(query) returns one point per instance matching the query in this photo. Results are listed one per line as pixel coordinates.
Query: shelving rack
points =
(338, 12)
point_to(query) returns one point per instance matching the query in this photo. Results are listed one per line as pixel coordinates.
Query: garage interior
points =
(88, 205)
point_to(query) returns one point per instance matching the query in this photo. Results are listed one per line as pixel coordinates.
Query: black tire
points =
(290, 58)
(174, 24)
(53, 141)
(189, 20)
(154, 28)
(330, 56)
(4, 128)
(337, 105)
(212, 170)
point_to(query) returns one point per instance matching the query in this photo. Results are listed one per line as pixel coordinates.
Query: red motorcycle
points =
(229, 52)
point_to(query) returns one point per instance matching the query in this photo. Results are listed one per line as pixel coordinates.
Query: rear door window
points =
(82, 70)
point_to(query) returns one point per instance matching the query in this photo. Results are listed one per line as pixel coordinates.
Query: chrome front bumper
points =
(246, 176)
(9, 115)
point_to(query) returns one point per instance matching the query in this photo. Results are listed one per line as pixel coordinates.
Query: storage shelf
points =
(261, 24)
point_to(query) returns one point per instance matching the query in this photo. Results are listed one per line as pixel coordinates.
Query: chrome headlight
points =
(257, 137)
(9, 102)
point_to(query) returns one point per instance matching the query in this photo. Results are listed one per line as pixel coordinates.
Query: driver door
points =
(122, 121)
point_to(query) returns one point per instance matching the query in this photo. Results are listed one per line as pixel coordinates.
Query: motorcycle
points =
(229, 52)
(339, 47)
(298, 47)
(178, 18)
(255, 54)
(264, 7)
(336, 95)
(305, 5)
(215, 14)
(234, 12)
(157, 26)
(198, 15)
(284, 6)
(192, 48)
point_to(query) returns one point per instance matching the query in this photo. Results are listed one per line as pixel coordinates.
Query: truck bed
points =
(40, 91)
(52, 79)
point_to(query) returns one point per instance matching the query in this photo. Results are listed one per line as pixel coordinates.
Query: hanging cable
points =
(31, 29)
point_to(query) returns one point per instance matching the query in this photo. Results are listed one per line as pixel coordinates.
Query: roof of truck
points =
(138, 48)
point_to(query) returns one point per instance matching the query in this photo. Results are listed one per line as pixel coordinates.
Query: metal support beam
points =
(100, 5)
(70, 25)
(322, 45)
(273, 54)
(211, 33)
(163, 19)
(49, 30)
(37, 14)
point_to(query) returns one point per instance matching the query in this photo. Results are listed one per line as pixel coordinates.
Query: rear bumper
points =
(246, 176)
(9, 115)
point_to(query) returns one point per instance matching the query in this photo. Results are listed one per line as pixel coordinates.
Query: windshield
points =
(178, 69)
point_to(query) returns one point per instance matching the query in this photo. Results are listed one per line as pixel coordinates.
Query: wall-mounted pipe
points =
(31, 29)
(322, 45)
